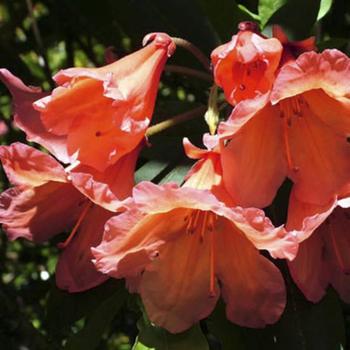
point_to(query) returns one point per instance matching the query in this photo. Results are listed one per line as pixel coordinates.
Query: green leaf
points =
(156, 338)
(267, 8)
(177, 174)
(97, 322)
(229, 334)
(64, 309)
(305, 325)
(150, 170)
(325, 6)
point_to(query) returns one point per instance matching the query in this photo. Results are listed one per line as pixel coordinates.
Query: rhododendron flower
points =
(104, 112)
(182, 245)
(323, 257)
(245, 67)
(299, 130)
(44, 203)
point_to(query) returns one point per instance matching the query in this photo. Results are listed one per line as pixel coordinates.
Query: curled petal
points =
(329, 71)
(36, 214)
(28, 119)
(305, 217)
(25, 165)
(110, 188)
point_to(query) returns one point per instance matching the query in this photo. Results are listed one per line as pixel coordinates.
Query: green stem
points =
(178, 119)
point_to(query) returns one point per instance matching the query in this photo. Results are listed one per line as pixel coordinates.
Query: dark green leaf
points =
(156, 338)
(97, 322)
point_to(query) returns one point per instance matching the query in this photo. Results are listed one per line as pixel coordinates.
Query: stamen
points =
(76, 226)
(203, 226)
(289, 108)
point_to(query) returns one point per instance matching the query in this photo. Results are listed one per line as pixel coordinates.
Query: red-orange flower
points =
(323, 257)
(183, 245)
(44, 203)
(245, 67)
(299, 130)
(96, 114)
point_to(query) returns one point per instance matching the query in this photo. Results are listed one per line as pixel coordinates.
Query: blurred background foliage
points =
(37, 38)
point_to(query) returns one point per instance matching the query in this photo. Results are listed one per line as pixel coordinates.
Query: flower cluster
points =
(181, 247)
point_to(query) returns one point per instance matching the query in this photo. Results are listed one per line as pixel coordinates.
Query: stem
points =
(178, 119)
(188, 71)
(39, 42)
(195, 51)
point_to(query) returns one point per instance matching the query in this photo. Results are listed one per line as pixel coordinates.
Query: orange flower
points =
(96, 114)
(245, 67)
(44, 203)
(323, 257)
(299, 130)
(180, 245)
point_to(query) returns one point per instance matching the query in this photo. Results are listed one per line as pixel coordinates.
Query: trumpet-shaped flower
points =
(183, 245)
(103, 113)
(323, 256)
(44, 202)
(298, 131)
(246, 66)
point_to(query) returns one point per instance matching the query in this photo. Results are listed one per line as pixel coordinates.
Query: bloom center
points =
(202, 222)
(289, 108)
(248, 77)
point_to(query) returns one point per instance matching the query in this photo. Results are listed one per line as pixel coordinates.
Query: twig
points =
(195, 51)
(189, 71)
(178, 119)
(39, 42)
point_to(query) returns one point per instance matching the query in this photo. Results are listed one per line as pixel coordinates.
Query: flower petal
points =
(341, 283)
(264, 236)
(25, 165)
(309, 270)
(28, 119)
(113, 119)
(245, 66)
(254, 165)
(41, 212)
(252, 286)
(321, 157)
(132, 240)
(175, 286)
(304, 218)
(337, 238)
(110, 188)
(329, 71)
(75, 271)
